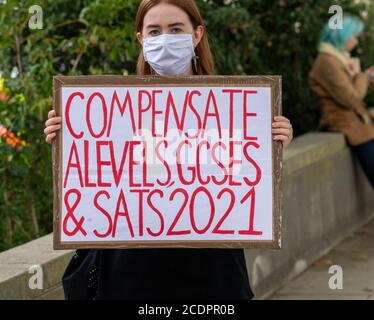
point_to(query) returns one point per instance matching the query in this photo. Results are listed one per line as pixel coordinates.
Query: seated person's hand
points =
(354, 67)
(370, 72)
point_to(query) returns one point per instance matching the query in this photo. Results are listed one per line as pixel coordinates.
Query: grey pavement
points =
(355, 256)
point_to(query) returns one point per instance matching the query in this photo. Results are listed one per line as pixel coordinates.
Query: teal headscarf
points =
(338, 37)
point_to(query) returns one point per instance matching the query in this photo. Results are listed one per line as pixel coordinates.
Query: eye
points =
(176, 30)
(154, 32)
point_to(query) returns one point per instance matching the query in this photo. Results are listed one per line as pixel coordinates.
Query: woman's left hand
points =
(282, 130)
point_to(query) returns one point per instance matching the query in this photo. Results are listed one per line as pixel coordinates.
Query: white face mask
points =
(169, 54)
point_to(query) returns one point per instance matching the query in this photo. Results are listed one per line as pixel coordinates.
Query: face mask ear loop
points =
(194, 59)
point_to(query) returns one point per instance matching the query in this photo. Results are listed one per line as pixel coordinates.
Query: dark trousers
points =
(365, 155)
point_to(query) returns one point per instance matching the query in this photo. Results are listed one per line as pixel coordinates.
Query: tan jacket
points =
(340, 98)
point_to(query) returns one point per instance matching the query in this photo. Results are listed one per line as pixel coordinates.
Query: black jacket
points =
(157, 274)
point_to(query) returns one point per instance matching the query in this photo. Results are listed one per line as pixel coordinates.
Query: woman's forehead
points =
(165, 15)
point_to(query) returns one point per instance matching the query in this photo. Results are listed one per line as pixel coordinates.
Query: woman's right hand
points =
(52, 125)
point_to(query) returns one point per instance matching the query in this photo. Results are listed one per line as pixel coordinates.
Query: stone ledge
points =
(15, 265)
(311, 148)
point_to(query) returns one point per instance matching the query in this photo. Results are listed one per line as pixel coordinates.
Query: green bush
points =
(98, 37)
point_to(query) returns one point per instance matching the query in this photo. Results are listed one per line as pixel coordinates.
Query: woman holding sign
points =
(174, 42)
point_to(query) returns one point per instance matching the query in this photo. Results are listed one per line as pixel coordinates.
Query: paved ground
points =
(355, 255)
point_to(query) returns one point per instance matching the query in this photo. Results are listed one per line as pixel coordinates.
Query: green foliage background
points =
(98, 37)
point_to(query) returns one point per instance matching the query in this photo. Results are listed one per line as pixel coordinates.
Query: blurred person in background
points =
(340, 87)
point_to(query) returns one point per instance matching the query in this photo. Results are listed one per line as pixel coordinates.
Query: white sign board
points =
(167, 162)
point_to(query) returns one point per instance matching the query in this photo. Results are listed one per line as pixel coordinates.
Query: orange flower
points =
(10, 138)
(3, 96)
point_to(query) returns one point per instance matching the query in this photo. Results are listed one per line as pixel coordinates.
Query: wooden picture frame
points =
(274, 82)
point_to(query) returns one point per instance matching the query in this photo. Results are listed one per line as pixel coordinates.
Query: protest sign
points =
(167, 162)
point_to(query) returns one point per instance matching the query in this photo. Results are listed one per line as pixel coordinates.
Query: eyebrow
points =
(170, 25)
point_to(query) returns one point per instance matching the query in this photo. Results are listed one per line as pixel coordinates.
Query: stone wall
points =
(325, 196)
